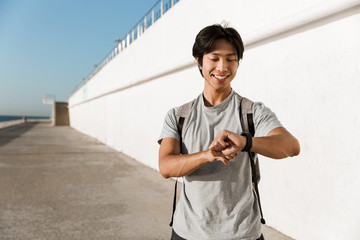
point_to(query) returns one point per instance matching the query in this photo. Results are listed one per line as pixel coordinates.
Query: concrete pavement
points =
(56, 183)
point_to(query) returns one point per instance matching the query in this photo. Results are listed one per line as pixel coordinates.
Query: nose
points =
(222, 65)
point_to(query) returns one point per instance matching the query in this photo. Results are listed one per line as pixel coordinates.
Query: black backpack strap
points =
(251, 126)
(174, 205)
(246, 116)
(255, 183)
(182, 115)
(247, 124)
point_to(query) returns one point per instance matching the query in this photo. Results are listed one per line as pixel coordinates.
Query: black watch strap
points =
(248, 145)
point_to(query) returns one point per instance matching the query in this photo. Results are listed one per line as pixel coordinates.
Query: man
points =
(217, 199)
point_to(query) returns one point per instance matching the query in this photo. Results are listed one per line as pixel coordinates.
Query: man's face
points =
(220, 66)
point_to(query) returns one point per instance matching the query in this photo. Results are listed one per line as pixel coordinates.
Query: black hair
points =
(205, 41)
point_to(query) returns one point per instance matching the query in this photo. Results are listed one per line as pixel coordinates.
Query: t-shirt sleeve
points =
(170, 126)
(264, 119)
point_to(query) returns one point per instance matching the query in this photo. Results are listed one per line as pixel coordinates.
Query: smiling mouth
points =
(220, 78)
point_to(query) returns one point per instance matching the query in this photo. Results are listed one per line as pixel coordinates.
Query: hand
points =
(213, 156)
(228, 143)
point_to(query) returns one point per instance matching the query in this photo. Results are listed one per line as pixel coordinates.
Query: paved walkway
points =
(56, 183)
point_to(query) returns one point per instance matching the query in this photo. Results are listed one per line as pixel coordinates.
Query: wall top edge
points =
(319, 14)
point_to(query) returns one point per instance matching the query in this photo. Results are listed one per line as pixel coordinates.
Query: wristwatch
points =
(248, 144)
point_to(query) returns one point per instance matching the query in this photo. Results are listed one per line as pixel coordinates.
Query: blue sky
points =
(49, 46)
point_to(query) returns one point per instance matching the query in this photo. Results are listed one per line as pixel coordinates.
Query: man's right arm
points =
(172, 164)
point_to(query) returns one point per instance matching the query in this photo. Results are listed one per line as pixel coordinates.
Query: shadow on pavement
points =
(10, 133)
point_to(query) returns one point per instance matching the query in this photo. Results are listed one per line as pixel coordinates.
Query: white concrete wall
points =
(308, 75)
(11, 123)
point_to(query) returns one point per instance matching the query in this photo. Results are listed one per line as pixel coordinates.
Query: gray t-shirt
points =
(217, 201)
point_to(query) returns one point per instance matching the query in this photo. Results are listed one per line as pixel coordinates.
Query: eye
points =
(214, 59)
(232, 60)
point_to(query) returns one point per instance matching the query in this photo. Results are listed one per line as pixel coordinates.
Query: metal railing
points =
(150, 17)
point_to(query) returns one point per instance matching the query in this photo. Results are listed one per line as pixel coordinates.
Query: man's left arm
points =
(278, 144)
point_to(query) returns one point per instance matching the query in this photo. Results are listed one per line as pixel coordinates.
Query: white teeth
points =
(220, 77)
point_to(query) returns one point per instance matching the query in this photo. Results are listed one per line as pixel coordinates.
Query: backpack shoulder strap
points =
(181, 117)
(247, 124)
(246, 116)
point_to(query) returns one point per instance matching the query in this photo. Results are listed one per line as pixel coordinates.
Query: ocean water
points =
(5, 118)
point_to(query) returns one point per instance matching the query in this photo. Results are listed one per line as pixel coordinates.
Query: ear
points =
(197, 60)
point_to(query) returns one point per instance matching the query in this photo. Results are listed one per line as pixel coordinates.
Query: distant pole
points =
(118, 41)
(161, 8)
(152, 16)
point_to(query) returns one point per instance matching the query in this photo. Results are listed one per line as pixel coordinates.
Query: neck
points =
(215, 97)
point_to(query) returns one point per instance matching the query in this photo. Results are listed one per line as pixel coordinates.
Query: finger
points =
(218, 154)
(219, 147)
(215, 148)
(222, 143)
(221, 157)
(229, 151)
(225, 161)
